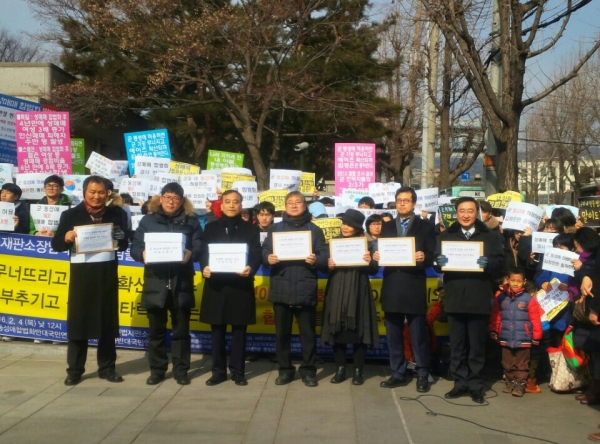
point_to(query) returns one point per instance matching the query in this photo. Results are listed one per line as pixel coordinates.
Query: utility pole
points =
(429, 113)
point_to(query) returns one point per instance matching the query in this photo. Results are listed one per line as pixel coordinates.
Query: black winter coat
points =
(472, 292)
(93, 287)
(404, 289)
(228, 298)
(159, 278)
(295, 282)
(22, 212)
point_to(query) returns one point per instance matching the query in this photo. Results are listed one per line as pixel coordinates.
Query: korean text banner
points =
(8, 136)
(354, 166)
(154, 143)
(34, 294)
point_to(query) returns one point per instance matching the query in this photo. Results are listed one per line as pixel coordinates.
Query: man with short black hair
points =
(11, 193)
(366, 203)
(53, 188)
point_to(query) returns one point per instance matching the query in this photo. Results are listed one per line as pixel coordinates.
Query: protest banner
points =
(448, 214)
(9, 106)
(159, 181)
(181, 168)
(136, 187)
(237, 170)
(354, 166)
(551, 208)
(520, 215)
(227, 180)
(78, 156)
(249, 192)
(589, 210)
(46, 217)
(307, 183)
(74, 187)
(199, 188)
(32, 185)
(554, 301)
(382, 193)
(223, 159)
(284, 179)
(151, 166)
(427, 199)
(331, 227)
(43, 142)
(559, 261)
(216, 173)
(276, 197)
(540, 241)
(99, 165)
(501, 200)
(119, 168)
(7, 213)
(351, 197)
(153, 143)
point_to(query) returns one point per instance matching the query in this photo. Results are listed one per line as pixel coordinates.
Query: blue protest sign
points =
(154, 143)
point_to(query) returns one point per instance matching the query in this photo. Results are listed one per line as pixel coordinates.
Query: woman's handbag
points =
(563, 379)
(579, 311)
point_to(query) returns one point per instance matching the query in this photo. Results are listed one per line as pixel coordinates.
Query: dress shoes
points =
(310, 381)
(393, 382)
(155, 379)
(456, 392)
(72, 380)
(183, 380)
(357, 378)
(239, 379)
(340, 376)
(111, 377)
(284, 379)
(216, 380)
(477, 396)
(423, 384)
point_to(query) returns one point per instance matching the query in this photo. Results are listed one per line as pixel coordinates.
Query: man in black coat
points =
(293, 291)
(228, 298)
(404, 292)
(169, 286)
(468, 297)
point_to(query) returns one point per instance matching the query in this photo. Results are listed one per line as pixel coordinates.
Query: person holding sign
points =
(228, 297)
(404, 293)
(349, 314)
(293, 289)
(169, 286)
(53, 188)
(468, 299)
(93, 311)
(12, 193)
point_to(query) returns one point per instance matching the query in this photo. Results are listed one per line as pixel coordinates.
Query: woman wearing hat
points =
(349, 315)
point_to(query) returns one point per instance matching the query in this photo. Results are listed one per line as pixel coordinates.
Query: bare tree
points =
(13, 49)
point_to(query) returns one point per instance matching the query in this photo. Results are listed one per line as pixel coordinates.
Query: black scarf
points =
(231, 224)
(297, 221)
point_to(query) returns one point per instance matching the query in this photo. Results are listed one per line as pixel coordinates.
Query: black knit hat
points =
(172, 187)
(354, 219)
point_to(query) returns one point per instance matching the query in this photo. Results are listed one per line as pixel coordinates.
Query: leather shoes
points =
(284, 379)
(357, 378)
(423, 384)
(216, 380)
(310, 381)
(239, 379)
(392, 382)
(111, 377)
(456, 392)
(183, 380)
(72, 380)
(155, 379)
(340, 376)
(477, 397)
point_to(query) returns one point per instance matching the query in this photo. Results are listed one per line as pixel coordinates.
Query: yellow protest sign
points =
(276, 197)
(331, 227)
(227, 180)
(307, 183)
(501, 200)
(182, 168)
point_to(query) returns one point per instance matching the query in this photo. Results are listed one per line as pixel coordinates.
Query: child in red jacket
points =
(515, 323)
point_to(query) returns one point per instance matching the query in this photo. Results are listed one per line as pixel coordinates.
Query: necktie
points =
(467, 234)
(404, 225)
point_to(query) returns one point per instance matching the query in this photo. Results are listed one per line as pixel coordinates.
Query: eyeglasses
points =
(175, 199)
(466, 211)
(294, 204)
(52, 186)
(404, 201)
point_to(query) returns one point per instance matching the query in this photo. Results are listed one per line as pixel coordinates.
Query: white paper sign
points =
(396, 251)
(146, 166)
(350, 197)
(99, 165)
(46, 217)
(137, 188)
(292, 245)
(32, 185)
(227, 258)
(427, 199)
(348, 251)
(235, 170)
(7, 212)
(284, 180)
(333, 211)
(263, 236)
(119, 168)
(135, 221)
(462, 256)
(559, 261)
(6, 173)
(217, 174)
(540, 241)
(551, 208)
(74, 187)
(249, 192)
(93, 238)
(382, 193)
(554, 301)
(520, 215)
(159, 181)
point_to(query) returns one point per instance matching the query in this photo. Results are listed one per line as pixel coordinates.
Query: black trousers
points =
(359, 353)
(468, 333)
(77, 354)
(180, 340)
(419, 339)
(237, 358)
(306, 316)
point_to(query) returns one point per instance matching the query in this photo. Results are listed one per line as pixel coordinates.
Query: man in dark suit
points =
(404, 293)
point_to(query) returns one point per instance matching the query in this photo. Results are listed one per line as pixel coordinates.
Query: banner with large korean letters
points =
(249, 192)
(32, 185)
(427, 199)
(520, 215)
(9, 106)
(284, 180)
(354, 166)
(151, 166)
(137, 188)
(276, 197)
(589, 210)
(153, 143)
(159, 181)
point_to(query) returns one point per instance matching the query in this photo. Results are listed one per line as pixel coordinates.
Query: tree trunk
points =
(445, 149)
(506, 161)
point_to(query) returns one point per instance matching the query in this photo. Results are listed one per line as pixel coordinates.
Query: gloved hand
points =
(117, 233)
(442, 260)
(482, 261)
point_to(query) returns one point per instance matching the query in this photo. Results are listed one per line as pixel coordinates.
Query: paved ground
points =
(35, 407)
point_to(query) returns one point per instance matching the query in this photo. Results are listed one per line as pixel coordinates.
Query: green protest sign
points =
(224, 159)
(448, 215)
(78, 156)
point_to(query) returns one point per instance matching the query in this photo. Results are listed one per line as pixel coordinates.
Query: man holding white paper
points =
(53, 188)
(169, 285)
(231, 256)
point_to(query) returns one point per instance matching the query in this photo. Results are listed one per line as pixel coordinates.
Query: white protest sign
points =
(146, 166)
(284, 180)
(7, 211)
(559, 261)
(235, 170)
(551, 208)
(135, 221)
(119, 168)
(554, 301)
(443, 200)
(333, 211)
(216, 173)
(46, 217)
(540, 241)
(249, 192)
(6, 173)
(159, 181)
(74, 187)
(383, 193)
(32, 185)
(137, 188)
(350, 197)
(427, 199)
(520, 215)
(199, 188)
(99, 165)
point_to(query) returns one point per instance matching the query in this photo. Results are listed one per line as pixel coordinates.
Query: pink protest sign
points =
(43, 142)
(354, 166)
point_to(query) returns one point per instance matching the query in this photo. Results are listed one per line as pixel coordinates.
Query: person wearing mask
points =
(53, 188)
(404, 293)
(228, 298)
(293, 291)
(169, 286)
(11, 193)
(468, 299)
(93, 311)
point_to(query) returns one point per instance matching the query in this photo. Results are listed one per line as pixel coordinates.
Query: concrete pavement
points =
(36, 407)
